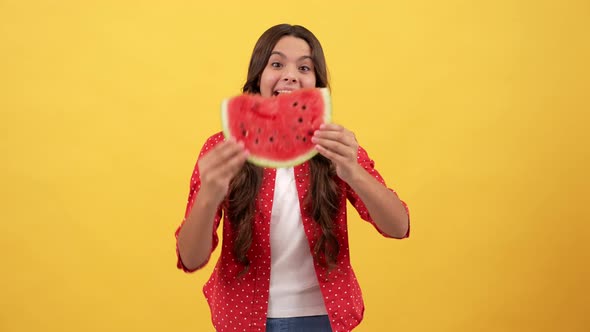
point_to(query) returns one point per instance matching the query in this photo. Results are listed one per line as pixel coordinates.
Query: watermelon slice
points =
(277, 130)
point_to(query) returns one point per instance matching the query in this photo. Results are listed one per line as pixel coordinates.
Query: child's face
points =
(289, 68)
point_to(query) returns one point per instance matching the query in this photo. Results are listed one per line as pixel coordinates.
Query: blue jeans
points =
(299, 324)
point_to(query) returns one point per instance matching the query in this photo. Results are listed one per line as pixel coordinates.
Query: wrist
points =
(206, 200)
(355, 176)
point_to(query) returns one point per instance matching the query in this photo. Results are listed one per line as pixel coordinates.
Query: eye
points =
(304, 68)
(276, 64)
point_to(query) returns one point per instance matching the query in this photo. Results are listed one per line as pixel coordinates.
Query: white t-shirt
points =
(294, 288)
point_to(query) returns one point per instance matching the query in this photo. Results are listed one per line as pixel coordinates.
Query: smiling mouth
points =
(280, 92)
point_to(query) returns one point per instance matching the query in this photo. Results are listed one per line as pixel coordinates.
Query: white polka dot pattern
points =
(240, 303)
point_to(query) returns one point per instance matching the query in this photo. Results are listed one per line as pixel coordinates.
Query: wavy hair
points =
(322, 199)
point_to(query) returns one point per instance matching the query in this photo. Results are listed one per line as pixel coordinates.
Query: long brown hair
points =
(322, 199)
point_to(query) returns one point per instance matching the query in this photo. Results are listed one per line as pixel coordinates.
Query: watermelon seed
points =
(303, 107)
(245, 133)
(300, 120)
(271, 139)
(256, 141)
(304, 139)
(295, 104)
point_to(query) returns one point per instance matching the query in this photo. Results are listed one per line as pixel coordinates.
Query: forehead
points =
(292, 46)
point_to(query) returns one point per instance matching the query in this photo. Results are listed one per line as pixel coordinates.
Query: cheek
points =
(267, 82)
(308, 82)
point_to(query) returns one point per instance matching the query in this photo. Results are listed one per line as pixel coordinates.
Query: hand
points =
(217, 167)
(340, 146)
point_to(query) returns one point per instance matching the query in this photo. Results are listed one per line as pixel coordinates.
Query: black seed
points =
(244, 133)
(271, 139)
(300, 120)
(303, 107)
(256, 141)
(295, 104)
(304, 139)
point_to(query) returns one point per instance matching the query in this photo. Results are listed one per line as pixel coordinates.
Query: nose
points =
(290, 76)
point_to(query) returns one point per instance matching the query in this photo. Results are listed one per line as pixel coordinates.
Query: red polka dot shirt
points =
(240, 304)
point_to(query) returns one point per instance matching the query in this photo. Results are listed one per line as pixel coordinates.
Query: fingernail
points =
(314, 139)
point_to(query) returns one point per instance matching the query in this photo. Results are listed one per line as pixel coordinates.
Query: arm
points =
(385, 208)
(194, 240)
(215, 169)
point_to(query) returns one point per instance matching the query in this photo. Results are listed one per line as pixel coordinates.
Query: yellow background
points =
(475, 111)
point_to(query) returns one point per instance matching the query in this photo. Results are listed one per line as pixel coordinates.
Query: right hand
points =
(217, 167)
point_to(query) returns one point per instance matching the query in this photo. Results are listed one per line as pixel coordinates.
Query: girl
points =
(284, 262)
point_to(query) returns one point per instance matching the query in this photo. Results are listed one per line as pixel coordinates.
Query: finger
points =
(331, 126)
(214, 165)
(230, 148)
(223, 152)
(336, 147)
(334, 157)
(222, 173)
(345, 137)
(336, 132)
(234, 164)
(341, 141)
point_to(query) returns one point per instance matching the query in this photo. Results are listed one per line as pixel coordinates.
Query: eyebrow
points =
(284, 56)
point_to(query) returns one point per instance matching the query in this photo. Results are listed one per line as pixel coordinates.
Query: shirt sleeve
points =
(369, 165)
(195, 185)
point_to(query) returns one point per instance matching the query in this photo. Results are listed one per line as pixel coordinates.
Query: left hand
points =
(340, 146)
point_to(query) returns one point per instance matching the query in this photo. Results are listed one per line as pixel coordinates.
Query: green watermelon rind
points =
(270, 163)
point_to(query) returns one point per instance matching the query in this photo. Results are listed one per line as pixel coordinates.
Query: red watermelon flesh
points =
(277, 130)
